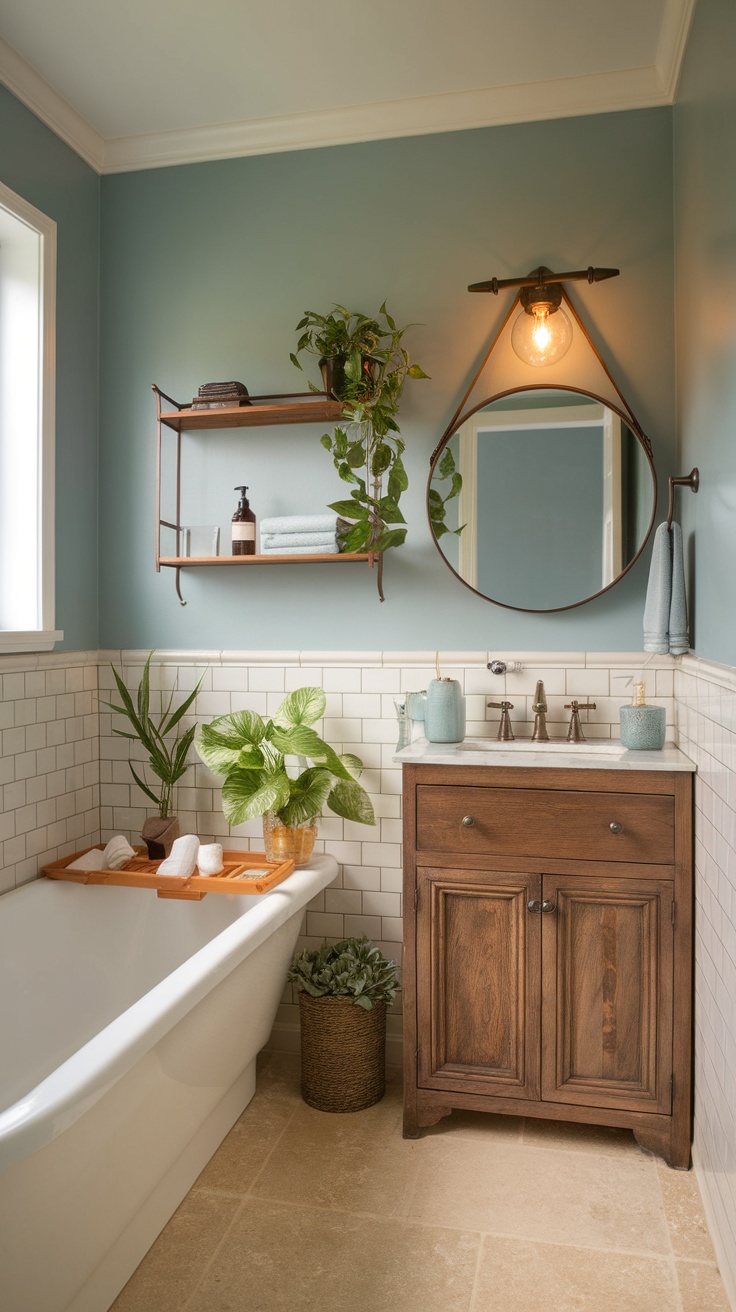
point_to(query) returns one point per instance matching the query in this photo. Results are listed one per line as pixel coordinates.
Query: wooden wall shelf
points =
(274, 408)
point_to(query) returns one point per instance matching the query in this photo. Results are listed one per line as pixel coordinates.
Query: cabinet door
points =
(478, 982)
(607, 992)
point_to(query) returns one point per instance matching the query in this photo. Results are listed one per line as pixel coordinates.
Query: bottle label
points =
(244, 532)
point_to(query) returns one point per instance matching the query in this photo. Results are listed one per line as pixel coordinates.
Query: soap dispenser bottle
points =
(244, 526)
(643, 727)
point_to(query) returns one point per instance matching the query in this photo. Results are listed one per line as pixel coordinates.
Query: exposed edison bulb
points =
(541, 335)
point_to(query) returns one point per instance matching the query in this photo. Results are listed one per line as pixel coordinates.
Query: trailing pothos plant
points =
(367, 448)
(439, 496)
(252, 754)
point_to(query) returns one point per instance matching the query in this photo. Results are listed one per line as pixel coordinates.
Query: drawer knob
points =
(468, 820)
(616, 827)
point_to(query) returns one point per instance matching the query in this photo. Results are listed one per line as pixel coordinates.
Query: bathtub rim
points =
(39, 1116)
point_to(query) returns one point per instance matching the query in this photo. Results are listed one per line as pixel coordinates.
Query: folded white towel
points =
(117, 853)
(326, 549)
(182, 859)
(298, 539)
(299, 524)
(209, 859)
(92, 860)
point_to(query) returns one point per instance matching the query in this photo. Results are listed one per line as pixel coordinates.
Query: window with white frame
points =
(27, 386)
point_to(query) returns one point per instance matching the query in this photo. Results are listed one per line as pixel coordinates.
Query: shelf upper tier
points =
(345, 557)
(300, 410)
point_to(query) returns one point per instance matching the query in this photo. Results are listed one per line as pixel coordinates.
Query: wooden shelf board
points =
(187, 562)
(254, 416)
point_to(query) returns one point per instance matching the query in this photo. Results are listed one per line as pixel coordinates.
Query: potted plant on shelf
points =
(252, 755)
(167, 759)
(373, 367)
(344, 990)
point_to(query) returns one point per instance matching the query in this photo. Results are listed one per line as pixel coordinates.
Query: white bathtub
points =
(126, 1054)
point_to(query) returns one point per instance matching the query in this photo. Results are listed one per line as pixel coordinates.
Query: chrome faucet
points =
(539, 707)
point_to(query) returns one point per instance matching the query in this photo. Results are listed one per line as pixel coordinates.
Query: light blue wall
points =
(207, 268)
(705, 216)
(40, 168)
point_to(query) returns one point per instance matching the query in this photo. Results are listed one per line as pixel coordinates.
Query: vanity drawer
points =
(546, 823)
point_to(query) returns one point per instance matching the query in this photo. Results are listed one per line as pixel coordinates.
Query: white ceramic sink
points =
(597, 747)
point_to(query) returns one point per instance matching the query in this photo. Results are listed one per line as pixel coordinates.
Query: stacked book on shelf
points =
(216, 396)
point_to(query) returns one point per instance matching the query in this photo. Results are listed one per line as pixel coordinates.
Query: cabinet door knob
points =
(616, 827)
(534, 905)
(468, 820)
(547, 906)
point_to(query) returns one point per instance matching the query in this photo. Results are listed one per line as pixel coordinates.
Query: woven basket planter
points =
(343, 1053)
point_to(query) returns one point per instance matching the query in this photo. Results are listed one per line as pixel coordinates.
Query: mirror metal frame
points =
(624, 415)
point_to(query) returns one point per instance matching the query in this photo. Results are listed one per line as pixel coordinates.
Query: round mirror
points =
(542, 499)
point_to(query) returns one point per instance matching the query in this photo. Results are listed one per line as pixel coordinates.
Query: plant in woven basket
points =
(353, 968)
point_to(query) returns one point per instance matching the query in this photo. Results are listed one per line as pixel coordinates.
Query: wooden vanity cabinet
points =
(548, 947)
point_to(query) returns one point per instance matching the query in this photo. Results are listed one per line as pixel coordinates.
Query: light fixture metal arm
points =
(541, 277)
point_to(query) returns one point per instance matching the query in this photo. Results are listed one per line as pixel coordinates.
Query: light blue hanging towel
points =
(665, 609)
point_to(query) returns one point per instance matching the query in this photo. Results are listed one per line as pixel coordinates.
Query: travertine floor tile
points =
(477, 1125)
(295, 1259)
(701, 1288)
(278, 1074)
(683, 1209)
(169, 1272)
(580, 1138)
(355, 1163)
(569, 1198)
(240, 1157)
(521, 1276)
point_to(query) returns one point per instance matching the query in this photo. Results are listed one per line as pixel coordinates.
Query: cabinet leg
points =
(417, 1119)
(673, 1148)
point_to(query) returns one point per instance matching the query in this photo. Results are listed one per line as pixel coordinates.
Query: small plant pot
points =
(288, 842)
(333, 375)
(343, 1053)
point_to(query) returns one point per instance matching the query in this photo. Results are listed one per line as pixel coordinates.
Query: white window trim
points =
(43, 638)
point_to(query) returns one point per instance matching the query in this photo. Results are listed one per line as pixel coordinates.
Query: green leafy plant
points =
(167, 760)
(252, 754)
(353, 968)
(438, 498)
(367, 449)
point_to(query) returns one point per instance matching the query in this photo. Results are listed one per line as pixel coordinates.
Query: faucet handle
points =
(575, 733)
(505, 732)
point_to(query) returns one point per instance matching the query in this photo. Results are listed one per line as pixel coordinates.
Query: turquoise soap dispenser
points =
(445, 713)
(643, 727)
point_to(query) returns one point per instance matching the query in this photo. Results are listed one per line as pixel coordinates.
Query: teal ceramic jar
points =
(643, 727)
(445, 711)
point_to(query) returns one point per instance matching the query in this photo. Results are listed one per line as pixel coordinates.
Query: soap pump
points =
(643, 727)
(244, 526)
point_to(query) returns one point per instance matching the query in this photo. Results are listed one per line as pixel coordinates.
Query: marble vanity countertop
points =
(601, 754)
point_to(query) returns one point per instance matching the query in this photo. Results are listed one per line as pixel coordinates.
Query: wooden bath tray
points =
(139, 872)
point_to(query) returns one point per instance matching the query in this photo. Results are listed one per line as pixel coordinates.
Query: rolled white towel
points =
(276, 540)
(92, 860)
(209, 860)
(182, 860)
(326, 549)
(117, 853)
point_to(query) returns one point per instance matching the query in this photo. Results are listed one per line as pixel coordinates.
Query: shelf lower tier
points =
(188, 562)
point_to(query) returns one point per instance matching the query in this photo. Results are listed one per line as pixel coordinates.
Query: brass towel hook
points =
(691, 480)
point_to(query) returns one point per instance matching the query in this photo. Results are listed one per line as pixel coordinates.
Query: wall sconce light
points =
(542, 333)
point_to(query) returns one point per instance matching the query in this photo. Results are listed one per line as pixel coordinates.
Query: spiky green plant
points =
(167, 760)
(353, 968)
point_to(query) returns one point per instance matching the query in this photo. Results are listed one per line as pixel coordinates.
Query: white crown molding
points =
(50, 107)
(676, 23)
(638, 88)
